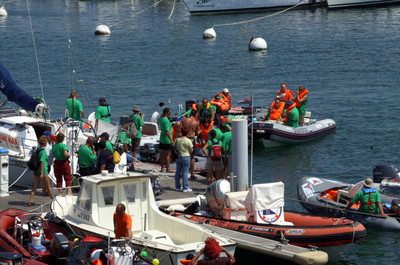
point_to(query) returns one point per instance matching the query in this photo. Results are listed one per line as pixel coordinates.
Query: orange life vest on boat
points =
(302, 94)
(204, 131)
(288, 109)
(185, 261)
(221, 104)
(227, 99)
(275, 113)
(288, 94)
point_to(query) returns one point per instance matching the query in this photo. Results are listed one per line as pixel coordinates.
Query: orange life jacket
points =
(288, 94)
(226, 98)
(185, 261)
(302, 94)
(204, 131)
(288, 109)
(275, 113)
(174, 133)
(221, 104)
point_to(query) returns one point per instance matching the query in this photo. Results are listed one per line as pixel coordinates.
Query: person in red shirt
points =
(122, 223)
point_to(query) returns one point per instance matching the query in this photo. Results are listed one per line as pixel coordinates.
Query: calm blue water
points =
(348, 59)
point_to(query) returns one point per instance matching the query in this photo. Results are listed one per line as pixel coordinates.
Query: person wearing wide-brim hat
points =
(137, 118)
(369, 198)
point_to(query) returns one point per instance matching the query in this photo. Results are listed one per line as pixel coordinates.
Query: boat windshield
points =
(84, 198)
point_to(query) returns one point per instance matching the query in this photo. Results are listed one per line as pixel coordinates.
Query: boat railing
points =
(148, 242)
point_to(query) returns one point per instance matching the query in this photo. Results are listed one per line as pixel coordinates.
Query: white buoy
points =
(102, 30)
(257, 44)
(209, 34)
(3, 12)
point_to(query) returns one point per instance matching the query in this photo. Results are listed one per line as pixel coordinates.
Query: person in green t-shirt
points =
(291, 114)
(61, 165)
(87, 157)
(138, 119)
(227, 154)
(42, 172)
(74, 106)
(103, 112)
(166, 140)
(105, 137)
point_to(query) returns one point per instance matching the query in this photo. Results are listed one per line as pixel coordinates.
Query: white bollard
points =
(240, 161)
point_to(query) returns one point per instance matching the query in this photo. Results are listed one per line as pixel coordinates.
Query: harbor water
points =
(348, 60)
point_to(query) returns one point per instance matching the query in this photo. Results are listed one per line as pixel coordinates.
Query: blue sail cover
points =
(14, 93)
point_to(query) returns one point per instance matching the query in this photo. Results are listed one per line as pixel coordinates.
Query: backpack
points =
(132, 130)
(215, 151)
(116, 157)
(33, 162)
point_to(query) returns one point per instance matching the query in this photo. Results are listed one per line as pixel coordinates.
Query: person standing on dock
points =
(211, 251)
(184, 148)
(61, 164)
(87, 157)
(284, 93)
(213, 158)
(166, 140)
(191, 127)
(301, 103)
(74, 106)
(41, 174)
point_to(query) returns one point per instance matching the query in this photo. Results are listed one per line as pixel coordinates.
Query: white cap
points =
(225, 90)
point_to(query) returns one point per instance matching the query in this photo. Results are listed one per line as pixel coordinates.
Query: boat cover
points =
(265, 196)
(235, 200)
(14, 93)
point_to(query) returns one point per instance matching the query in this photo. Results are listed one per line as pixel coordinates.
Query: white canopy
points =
(265, 196)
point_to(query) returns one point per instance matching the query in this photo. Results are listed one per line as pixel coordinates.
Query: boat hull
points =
(273, 133)
(308, 230)
(358, 3)
(309, 190)
(217, 6)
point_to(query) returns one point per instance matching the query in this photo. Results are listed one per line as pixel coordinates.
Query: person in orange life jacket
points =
(369, 198)
(106, 158)
(211, 164)
(226, 97)
(291, 114)
(284, 93)
(301, 103)
(176, 130)
(122, 223)
(275, 112)
(205, 127)
(192, 112)
(206, 110)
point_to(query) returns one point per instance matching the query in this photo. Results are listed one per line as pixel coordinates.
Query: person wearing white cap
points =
(369, 198)
(226, 97)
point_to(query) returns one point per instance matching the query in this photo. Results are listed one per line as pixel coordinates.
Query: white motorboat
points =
(235, 6)
(358, 3)
(20, 130)
(162, 236)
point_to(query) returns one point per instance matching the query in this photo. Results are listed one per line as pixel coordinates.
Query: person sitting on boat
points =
(211, 252)
(291, 114)
(221, 107)
(41, 174)
(87, 157)
(206, 110)
(74, 106)
(275, 112)
(369, 198)
(225, 96)
(284, 93)
(103, 112)
(301, 103)
(62, 168)
(122, 223)
(106, 158)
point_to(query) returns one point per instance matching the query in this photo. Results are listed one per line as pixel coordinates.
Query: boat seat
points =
(149, 129)
(157, 236)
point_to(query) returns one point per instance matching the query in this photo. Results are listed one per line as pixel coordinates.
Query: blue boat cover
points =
(14, 93)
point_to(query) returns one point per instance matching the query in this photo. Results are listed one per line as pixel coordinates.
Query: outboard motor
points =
(59, 246)
(10, 258)
(385, 171)
(215, 195)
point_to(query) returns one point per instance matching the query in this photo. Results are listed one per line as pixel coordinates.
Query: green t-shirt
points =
(74, 107)
(86, 157)
(206, 112)
(109, 146)
(210, 146)
(103, 113)
(139, 123)
(219, 134)
(293, 119)
(58, 151)
(123, 139)
(363, 197)
(42, 157)
(227, 142)
(165, 125)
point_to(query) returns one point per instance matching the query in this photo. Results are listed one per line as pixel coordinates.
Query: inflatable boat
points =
(329, 198)
(274, 133)
(259, 212)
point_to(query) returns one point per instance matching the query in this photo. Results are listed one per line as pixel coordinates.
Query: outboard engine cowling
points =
(59, 246)
(10, 258)
(385, 171)
(215, 195)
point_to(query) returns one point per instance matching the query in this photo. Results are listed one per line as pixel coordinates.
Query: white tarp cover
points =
(235, 200)
(265, 196)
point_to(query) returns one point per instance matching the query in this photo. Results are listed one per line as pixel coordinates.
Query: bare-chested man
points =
(191, 126)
